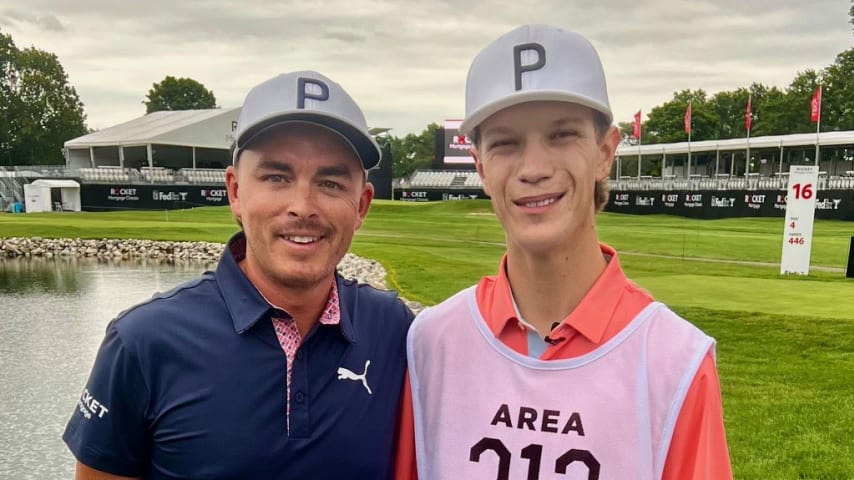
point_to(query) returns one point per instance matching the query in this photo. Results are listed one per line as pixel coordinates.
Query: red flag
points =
(748, 120)
(815, 105)
(688, 118)
(637, 131)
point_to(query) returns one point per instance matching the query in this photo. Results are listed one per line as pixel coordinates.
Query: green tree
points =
(178, 94)
(413, 152)
(665, 122)
(8, 72)
(790, 113)
(838, 93)
(762, 113)
(730, 107)
(41, 110)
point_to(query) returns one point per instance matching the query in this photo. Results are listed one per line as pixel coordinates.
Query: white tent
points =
(171, 139)
(211, 129)
(39, 196)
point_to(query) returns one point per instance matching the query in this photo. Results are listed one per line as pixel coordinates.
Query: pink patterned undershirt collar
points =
(286, 328)
(290, 339)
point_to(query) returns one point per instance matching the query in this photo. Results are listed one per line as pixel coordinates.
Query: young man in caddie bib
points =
(558, 366)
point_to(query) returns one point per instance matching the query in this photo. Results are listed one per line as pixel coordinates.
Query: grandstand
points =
(469, 179)
(190, 149)
(162, 160)
(156, 175)
(107, 174)
(444, 179)
(705, 179)
(204, 175)
(713, 165)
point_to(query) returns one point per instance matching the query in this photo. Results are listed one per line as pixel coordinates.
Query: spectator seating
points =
(445, 179)
(106, 174)
(204, 175)
(157, 174)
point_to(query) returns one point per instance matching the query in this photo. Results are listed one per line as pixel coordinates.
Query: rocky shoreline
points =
(111, 249)
(206, 253)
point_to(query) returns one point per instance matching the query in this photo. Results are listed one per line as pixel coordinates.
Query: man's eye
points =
(565, 134)
(331, 184)
(274, 178)
(503, 142)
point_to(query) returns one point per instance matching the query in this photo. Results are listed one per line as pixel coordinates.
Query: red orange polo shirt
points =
(698, 449)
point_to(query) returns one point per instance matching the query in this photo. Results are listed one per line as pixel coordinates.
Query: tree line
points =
(774, 111)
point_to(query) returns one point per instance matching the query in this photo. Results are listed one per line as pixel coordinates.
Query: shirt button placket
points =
(299, 417)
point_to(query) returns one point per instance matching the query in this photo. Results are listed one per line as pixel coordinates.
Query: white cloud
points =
(406, 61)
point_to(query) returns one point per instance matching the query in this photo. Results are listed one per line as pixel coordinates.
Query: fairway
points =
(785, 345)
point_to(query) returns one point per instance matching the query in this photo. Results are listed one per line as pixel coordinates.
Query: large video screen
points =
(457, 146)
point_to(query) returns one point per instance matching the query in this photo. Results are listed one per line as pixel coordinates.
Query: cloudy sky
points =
(405, 61)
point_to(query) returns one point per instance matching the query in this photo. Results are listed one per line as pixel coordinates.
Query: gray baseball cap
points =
(531, 63)
(310, 97)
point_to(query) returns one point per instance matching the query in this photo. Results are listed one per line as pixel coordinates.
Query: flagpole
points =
(748, 124)
(690, 122)
(640, 142)
(689, 155)
(747, 159)
(818, 127)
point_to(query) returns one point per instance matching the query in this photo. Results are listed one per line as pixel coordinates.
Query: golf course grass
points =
(785, 345)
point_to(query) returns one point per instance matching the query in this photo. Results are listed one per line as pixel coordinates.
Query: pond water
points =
(53, 314)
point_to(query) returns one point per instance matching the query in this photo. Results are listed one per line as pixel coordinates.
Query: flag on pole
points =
(687, 118)
(637, 130)
(815, 105)
(748, 119)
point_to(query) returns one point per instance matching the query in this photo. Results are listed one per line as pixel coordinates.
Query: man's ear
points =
(365, 200)
(232, 189)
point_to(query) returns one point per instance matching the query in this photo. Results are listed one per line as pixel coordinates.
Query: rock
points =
(351, 266)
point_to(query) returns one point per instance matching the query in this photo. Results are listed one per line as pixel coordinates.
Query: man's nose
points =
(536, 164)
(301, 203)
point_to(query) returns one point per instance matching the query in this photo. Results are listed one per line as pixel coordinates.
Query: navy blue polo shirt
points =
(192, 384)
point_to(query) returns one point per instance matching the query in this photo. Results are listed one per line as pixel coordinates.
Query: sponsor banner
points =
(434, 195)
(829, 204)
(150, 197)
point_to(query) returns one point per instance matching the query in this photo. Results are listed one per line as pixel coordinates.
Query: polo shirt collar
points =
(244, 302)
(344, 299)
(590, 318)
(247, 306)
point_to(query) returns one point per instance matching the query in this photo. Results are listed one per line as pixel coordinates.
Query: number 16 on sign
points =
(800, 213)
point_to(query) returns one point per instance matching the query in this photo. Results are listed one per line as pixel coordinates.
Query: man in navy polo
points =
(273, 366)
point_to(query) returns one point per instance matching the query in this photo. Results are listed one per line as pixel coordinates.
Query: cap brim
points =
(478, 116)
(363, 144)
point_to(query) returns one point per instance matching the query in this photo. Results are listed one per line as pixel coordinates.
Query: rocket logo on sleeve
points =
(90, 407)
